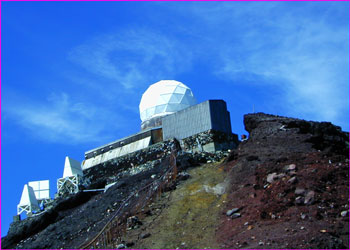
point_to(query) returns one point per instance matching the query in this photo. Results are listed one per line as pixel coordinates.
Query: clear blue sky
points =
(73, 72)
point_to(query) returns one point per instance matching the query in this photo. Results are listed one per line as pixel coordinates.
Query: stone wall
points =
(146, 159)
(209, 141)
(103, 173)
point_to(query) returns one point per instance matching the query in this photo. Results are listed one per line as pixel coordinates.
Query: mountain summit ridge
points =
(287, 186)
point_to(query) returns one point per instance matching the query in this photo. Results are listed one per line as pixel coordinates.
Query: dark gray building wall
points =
(211, 114)
(220, 117)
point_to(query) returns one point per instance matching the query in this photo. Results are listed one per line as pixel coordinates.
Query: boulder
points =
(344, 213)
(309, 198)
(232, 211)
(292, 180)
(299, 191)
(271, 177)
(235, 215)
(290, 167)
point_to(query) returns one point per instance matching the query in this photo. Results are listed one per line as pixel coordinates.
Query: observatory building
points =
(164, 98)
(168, 109)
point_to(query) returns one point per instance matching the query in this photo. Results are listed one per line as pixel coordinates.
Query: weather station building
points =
(168, 109)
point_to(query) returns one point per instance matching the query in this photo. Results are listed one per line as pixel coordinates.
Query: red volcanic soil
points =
(306, 204)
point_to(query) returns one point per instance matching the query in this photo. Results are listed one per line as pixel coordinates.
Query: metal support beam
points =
(68, 185)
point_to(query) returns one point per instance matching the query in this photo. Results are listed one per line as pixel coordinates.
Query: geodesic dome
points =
(165, 97)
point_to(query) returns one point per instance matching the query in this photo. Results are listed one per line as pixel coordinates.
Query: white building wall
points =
(117, 152)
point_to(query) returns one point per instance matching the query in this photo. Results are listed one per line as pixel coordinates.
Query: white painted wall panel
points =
(117, 152)
(41, 189)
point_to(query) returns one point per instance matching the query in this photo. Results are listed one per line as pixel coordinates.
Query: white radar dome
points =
(165, 97)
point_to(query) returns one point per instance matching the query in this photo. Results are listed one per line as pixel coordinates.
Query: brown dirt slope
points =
(306, 204)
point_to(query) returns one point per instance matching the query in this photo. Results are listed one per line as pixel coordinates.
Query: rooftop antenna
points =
(28, 202)
(253, 108)
(72, 175)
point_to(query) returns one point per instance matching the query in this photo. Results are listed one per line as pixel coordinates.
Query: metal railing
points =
(111, 234)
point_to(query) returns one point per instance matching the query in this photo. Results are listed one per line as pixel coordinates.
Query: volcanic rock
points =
(316, 154)
(232, 211)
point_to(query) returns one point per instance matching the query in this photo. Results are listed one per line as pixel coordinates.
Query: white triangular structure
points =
(28, 202)
(28, 196)
(71, 168)
(72, 175)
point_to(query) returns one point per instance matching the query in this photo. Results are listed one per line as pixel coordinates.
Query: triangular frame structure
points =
(28, 202)
(72, 175)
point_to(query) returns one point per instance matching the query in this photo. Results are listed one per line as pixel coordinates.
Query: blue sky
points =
(73, 73)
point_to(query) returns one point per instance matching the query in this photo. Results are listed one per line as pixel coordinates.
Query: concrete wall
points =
(211, 114)
(209, 141)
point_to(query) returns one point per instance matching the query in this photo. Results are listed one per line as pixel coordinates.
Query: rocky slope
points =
(75, 219)
(290, 181)
(287, 186)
